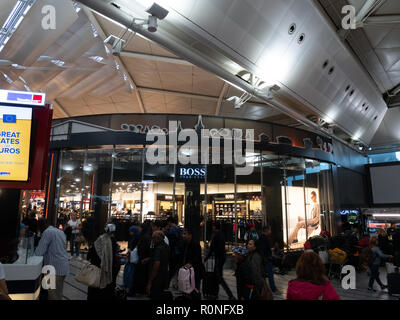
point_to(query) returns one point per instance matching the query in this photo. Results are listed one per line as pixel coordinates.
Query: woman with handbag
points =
(103, 256)
(243, 274)
(261, 289)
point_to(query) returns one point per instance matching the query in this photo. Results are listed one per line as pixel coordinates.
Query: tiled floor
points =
(76, 291)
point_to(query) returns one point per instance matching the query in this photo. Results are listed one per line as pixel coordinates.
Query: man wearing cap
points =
(243, 274)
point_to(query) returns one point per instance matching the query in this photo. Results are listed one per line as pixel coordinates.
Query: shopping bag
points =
(134, 258)
(324, 256)
(390, 268)
(89, 276)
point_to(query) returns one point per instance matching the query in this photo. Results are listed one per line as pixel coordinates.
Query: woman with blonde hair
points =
(374, 263)
(311, 282)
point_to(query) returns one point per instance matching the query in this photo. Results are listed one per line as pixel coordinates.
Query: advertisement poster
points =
(295, 234)
(15, 140)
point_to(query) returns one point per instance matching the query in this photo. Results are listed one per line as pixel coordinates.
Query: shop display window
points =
(291, 194)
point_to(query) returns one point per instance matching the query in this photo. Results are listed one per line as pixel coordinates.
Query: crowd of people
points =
(364, 252)
(157, 251)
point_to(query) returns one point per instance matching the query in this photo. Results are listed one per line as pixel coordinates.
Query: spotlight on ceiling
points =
(116, 43)
(238, 102)
(156, 13)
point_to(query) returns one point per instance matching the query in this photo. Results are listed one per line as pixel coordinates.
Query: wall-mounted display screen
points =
(15, 140)
(385, 184)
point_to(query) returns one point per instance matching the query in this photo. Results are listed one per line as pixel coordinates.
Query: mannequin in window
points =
(312, 224)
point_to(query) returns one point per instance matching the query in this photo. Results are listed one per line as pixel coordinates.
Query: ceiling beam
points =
(367, 9)
(151, 57)
(194, 96)
(221, 97)
(118, 60)
(61, 107)
(396, 90)
(178, 93)
(386, 19)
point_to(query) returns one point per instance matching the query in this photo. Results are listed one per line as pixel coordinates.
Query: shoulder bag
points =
(89, 276)
(134, 258)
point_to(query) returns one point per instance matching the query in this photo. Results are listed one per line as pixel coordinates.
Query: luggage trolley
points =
(337, 259)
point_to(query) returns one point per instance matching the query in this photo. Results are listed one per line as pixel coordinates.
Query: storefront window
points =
(291, 194)
(70, 181)
(83, 186)
(296, 228)
(319, 180)
(127, 183)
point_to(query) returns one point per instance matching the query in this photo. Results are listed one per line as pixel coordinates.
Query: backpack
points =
(186, 281)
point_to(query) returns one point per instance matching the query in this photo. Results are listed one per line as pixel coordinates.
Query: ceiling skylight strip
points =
(13, 21)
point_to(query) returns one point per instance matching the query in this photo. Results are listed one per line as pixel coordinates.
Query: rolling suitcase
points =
(210, 285)
(393, 282)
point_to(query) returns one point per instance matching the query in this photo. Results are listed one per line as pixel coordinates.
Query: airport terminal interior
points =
(185, 150)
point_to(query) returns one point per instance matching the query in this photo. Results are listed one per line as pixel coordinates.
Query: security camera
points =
(152, 24)
(157, 11)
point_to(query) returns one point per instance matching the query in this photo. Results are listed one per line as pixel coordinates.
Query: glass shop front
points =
(291, 194)
(100, 171)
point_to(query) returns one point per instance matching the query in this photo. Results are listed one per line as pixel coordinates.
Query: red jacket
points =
(299, 290)
(364, 242)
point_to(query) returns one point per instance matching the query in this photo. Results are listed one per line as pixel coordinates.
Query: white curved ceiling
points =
(92, 81)
(377, 44)
(248, 34)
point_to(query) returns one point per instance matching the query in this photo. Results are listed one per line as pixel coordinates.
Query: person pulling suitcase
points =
(217, 249)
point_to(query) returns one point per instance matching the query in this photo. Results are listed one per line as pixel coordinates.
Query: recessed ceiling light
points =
(97, 58)
(58, 62)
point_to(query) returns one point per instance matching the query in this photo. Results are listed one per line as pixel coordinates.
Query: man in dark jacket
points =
(192, 257)
(217, 249)
(264, 245)
(158, 276)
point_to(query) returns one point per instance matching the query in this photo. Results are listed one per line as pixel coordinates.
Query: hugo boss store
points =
(99, 168)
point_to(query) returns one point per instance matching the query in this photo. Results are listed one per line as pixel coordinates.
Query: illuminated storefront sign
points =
(24, 98)
(192, 173)
(15, 140)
